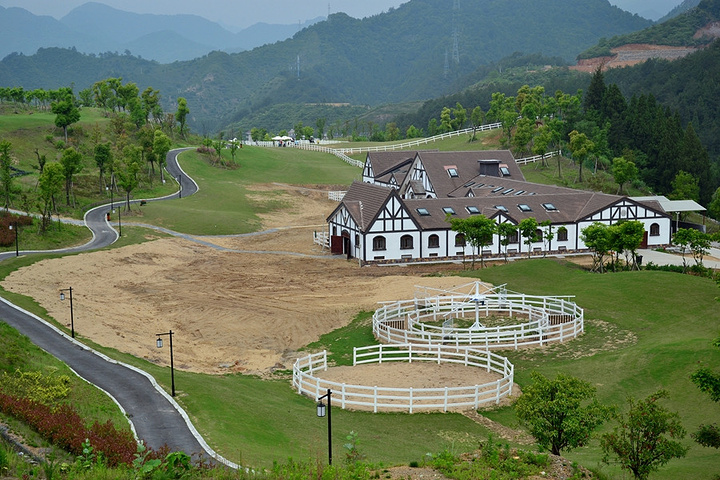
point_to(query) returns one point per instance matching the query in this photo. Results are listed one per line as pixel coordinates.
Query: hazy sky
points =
(243, 13)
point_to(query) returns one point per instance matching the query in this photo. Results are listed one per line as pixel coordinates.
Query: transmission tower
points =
(455, 34)
(446, 70)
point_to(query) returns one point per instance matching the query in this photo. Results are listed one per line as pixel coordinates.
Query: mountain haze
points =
(405, 54)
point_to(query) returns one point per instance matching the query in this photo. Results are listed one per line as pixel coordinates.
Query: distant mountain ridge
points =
(405, 54)
(98, 28)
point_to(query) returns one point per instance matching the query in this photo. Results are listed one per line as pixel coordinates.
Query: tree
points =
(50, 185)
(646, 437)
(460, 115)
(628, 239)
(714, 206)
(561, 413)
(6, 178)
(476, 118)
(161, 147)
(320, 124)
(128, 171)
(234, 145)
(528, 230)
(506, 231)
(581, 147)
(392, 132)
(66, 113)
(103, 158)
(708, 382)
(548, 235)
(181, 114)
(623, 171)
(71, 162)
(685, 187)
(446, 120)
(597, 238)
(694, 240)
(478, 230)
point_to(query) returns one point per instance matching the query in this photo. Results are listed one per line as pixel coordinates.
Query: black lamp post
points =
(72, 319)
(112, 203)
(180, 185)
(321, 413)
(119, 223)
(14, 226)
(159, 344)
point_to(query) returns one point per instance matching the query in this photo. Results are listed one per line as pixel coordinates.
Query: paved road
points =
(153, 414)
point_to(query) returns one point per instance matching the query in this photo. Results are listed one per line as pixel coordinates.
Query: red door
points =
(336, 245)
(644, 243)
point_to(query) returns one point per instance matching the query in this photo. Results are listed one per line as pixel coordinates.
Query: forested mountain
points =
(96, 28)
(405, 54)
(680, 9)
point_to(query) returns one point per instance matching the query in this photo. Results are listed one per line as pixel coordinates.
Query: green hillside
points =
(387, 58)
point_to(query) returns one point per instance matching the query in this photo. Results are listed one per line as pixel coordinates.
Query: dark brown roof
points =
(387, 164)
(363, 201)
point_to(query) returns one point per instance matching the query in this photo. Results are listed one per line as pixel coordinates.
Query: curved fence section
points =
(408, 399)
(430, 321)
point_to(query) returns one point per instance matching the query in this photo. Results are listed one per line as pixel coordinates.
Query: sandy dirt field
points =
(240, 310)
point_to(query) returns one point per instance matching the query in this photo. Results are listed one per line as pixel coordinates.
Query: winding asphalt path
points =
(154, 416)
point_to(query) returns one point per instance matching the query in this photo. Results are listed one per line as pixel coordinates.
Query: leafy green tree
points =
(460, 117)
(181, 114)
(127, 171)
(161, 147)
(6, 178)
(234, 145)
(413, 132)
(392, 132)
(151, 104)
(103, 158)
(623, 171)
(320, 124)
(505, 231)
(646, 437)
(432, 127)
(714, 206)
(561, 413)
(596, 237)
(581, 147)
(524, 133)
(628, 239)
(71, 162)
(446, 120)
(477, 116)
(694, 240)
(548, 235)
(528, 230)
(708, 435)
(478, 231)
(66, 112)
(50, 184)
(685, 187)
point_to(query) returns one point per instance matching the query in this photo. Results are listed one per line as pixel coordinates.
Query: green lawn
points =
(223, 205)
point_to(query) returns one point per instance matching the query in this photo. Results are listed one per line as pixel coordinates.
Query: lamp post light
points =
(119, 222)
(112, 203)
(14, 226)
(72, 319)
(159, 344)
(321, 413)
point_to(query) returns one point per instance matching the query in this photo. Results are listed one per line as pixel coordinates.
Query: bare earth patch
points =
(245, 312)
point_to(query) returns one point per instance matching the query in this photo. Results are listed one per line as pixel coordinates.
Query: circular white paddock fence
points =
(544, 320)
(408, 399)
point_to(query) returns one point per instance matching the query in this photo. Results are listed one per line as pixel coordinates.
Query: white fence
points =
(408, 399)
(526, 160)
(322, 239)
(549, 320)
(337, 195)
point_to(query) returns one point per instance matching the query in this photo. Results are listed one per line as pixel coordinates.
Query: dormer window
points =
(524, 207)
(423, 212)
(449, 210)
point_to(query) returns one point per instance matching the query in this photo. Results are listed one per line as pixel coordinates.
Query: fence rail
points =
(549, 320)
(408, 399)
(526, 160)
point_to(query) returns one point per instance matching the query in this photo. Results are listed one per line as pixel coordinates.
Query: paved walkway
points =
(661, 258)
(154, 415)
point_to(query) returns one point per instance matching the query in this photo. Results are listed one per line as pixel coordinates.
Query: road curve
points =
(153, 414)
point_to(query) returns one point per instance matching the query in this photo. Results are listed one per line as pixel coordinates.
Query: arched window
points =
(357, 239)
(538, 235)
(562, 234)
(459, 240)
(433, 241)
(514, 237)
(406, 242)
(654, 230)
(379, 243)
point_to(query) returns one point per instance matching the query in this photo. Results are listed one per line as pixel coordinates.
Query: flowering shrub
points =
(63, 427)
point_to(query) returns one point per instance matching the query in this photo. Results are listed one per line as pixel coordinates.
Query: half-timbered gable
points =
(402, 212)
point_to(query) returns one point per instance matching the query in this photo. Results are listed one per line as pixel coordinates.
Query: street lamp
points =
(159, 344)
(112, 204)
(14, 226)
(321, 413)
(72, 319)
(119, 222)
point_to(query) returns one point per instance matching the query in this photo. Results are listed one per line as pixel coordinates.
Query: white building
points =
(399, 212)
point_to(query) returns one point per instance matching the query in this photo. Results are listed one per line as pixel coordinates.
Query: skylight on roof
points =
(423, 211)
(519, 192)
(449, 210)
(452, 171)
(496, 189)
(505, 171)
(502, 208)
(524, 207)
(549, 207)
(469, 184)
(472, 210)
(505, 192)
